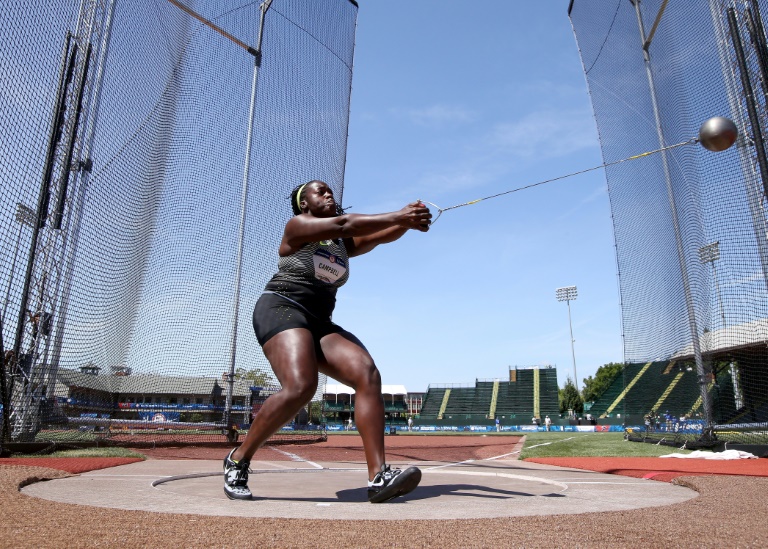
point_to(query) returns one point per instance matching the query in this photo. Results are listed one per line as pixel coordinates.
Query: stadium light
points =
(26, 217)
(569, 294)
(709, 254)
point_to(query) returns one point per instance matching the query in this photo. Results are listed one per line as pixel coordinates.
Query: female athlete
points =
(292, 319)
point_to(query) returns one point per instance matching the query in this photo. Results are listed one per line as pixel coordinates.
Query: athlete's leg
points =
(346, 360)
(291, 354)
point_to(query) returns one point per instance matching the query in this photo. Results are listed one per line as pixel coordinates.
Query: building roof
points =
(340, 389)
(730, 338)
(151, 384)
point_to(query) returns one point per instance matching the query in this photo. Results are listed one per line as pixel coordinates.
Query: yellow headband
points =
(298, 195)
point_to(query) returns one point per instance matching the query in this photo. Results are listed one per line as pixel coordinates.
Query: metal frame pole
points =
(753, 186)
(701, 371)
(749, 99)
(243, 205)
(568, 294)
(573, 351)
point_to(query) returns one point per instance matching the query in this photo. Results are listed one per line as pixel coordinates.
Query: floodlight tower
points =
(26, 217)
(709, 254)
(569, 294)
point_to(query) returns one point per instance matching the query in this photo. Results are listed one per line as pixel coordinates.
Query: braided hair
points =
(298, 193)
(296, 198)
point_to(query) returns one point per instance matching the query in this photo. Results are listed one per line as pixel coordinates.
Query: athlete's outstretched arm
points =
(365, 231)
(363, 244)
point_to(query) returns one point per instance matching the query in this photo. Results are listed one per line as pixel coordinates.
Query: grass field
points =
(87, 452)
(590, 445)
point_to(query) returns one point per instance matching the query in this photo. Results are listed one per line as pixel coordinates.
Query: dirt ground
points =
(729, 512)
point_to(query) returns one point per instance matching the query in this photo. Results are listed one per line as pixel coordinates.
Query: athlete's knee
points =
(367, 378)
(300, 391)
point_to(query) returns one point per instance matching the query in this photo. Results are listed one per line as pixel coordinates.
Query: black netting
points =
(130, 298)
(690, 224)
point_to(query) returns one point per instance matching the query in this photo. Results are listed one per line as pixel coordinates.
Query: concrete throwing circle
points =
(467, 490)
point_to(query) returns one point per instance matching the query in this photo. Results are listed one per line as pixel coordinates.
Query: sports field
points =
(727, 494)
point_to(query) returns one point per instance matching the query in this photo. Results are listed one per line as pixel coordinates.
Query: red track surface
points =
(349, 449)
(342, 448)
(665, 469)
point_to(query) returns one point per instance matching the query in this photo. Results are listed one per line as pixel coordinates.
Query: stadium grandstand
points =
(659, 387)
(119, 404)
(665, 396)
(159, 399)
(529, 395)
(399, 405)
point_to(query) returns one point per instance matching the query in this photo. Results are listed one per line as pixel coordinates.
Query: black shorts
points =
(274, 314)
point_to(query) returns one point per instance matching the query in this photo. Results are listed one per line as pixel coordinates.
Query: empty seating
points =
(514, 400)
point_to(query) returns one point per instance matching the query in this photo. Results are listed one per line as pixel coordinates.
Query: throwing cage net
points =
(149, 150)
(690, 224)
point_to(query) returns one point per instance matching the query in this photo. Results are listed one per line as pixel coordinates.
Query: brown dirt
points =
(70, 465)
(730, 512)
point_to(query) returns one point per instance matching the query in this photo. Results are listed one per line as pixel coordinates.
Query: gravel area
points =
(730, 512)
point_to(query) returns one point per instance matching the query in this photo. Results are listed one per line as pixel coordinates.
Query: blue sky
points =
(449, 104)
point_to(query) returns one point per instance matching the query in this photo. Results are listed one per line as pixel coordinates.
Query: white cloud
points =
(487, 153)
(436, 115)
(544, 134)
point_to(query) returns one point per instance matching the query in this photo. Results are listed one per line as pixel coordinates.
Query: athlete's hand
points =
(416, 216)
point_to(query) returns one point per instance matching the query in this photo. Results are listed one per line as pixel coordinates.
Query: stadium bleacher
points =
(432, 402)
(610, 395)
(646, 392)
(483, 397)
(664, 386)
(549, 404)
(514, 400)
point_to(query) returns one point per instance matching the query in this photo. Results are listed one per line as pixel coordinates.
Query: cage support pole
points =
(753, 187)
(243, 208)
(749, 99)
(700, 369)
(183, 7)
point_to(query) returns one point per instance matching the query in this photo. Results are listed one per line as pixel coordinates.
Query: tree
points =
(570, 399)
(191, 417)
(257, 377)
(315, 409)
(594, 387)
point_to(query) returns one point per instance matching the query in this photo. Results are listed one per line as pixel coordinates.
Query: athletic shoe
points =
(236, 478)
(391, 483)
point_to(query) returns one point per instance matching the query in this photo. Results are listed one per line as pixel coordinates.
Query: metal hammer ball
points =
(718, 134)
